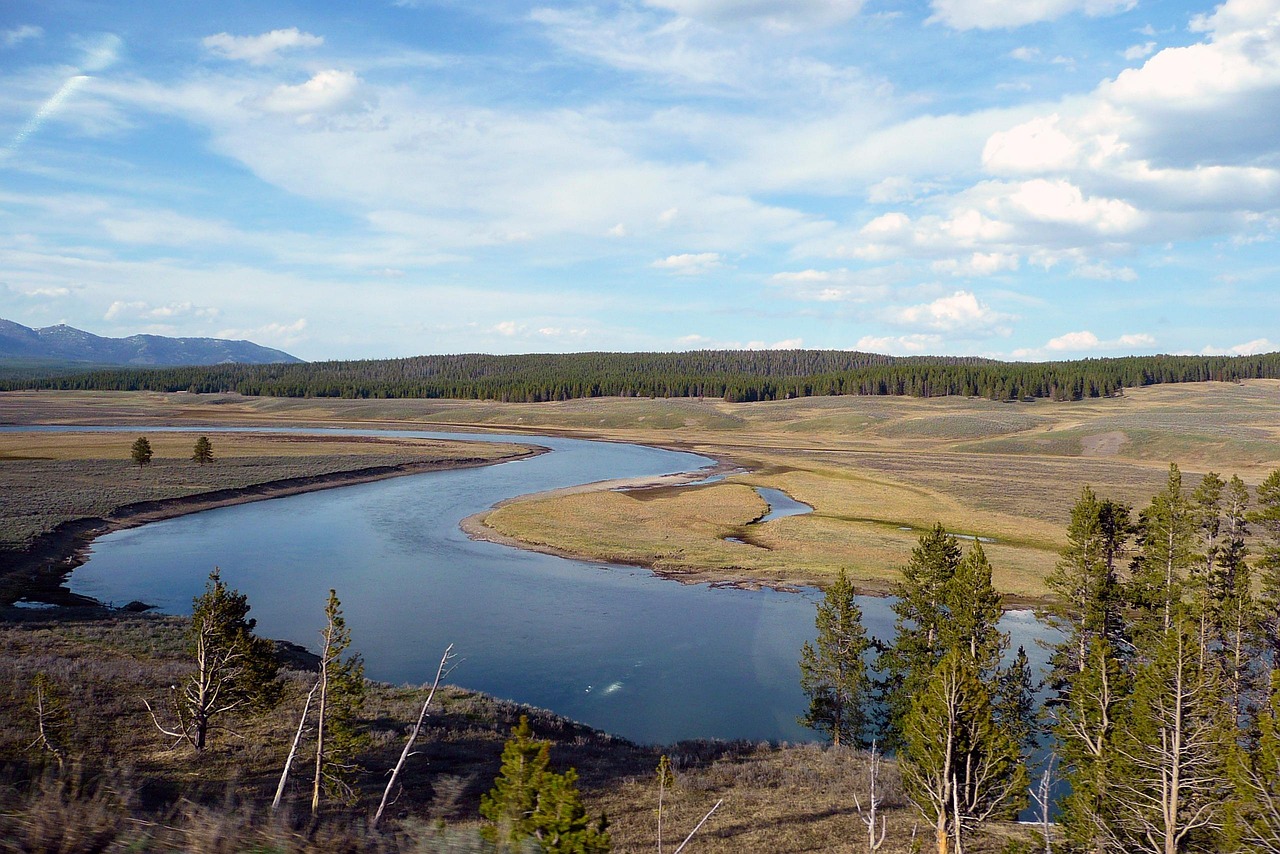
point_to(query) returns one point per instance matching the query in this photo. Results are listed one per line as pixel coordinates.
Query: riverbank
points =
(54, 507)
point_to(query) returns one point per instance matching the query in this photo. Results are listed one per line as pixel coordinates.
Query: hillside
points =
(734, 375)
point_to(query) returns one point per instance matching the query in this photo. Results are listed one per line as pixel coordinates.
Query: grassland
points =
(62, 489)
(876, 470)
(151, 797)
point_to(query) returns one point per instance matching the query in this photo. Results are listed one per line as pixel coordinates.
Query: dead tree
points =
(413, 736)
(874, 800)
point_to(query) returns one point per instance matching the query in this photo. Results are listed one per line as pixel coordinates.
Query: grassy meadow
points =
(876, 470)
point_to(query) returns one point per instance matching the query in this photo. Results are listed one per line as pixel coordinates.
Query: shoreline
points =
(38, 571)
(475, 527)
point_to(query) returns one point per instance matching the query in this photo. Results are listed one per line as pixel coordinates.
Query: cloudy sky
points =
(1028, 179)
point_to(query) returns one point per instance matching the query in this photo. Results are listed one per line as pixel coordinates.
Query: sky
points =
(1016, 179)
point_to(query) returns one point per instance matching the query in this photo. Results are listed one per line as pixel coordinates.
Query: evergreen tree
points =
(1170, 776)
(140, 452)
(960, 768)
(1267, 520)
(1087, 602)
(341, 694)
(234, 670)
(1166, 531)
(203, 451)
(1259, 824)
(833, 673)
(921, 621)
(529, 801)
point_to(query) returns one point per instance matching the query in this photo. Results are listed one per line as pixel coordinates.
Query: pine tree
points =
(529, 801)
(1267, 520)
(921, 620)
(234, 670)
(203, 451)
(1166, 532)
(960, 768)
(833, 673)
(1171, 772)
(1260, 830)
(341, 694)
(140, 452)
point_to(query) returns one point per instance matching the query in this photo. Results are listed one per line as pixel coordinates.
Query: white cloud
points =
(910, 345)
(1248, 348)
(1025, 54)
(330, 91)
(270, 334)
(1035, 146)
(1085, 341)
(977, 264)
(261, 49)
(140, 310)
(960, 312)
(508, 328)
(1139, 51)
(1007, 14)
(1060, 201)
(689, 264)
(17, 35)
(777, 14)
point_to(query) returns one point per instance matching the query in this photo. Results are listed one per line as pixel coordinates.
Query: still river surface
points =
(612, 646)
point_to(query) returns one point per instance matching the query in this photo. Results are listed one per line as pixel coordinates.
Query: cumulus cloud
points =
(261, 49)
(1139, 51)
(1007, 14)
(330, 91)
(17, 35)
(842, 284)
(962, 311)
(1085, 341)
(1248, 348)
(689, 264)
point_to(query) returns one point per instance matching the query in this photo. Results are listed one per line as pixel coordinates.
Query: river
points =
(612, 646)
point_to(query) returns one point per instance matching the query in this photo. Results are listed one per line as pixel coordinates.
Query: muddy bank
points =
(37, 572)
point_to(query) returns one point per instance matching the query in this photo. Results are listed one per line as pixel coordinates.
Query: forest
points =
(733, 375)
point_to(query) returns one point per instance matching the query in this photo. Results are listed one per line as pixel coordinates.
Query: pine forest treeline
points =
(733, 375)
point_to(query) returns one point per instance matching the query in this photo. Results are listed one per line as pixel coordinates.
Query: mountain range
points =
(64, 343)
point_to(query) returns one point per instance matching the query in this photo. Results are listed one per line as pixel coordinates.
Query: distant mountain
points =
(64, 343)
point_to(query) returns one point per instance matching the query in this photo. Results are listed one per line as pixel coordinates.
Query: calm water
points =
(614, 647)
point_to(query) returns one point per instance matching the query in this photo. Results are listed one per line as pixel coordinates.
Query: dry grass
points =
(876, 469)
(50, 479)
(123, 787)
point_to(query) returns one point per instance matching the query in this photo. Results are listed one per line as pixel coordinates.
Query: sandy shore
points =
(37, 572)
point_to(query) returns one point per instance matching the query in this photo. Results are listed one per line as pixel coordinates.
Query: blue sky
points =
(1022, 179)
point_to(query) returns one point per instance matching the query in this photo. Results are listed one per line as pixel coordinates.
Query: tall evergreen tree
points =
(1266, 519)
(1260, 817)
(341, 693)
(960, 768)
(833, 670)
(1166, 531)
(1170, 777)
(921, 620)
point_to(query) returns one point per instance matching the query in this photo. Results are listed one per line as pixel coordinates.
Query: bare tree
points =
(874, 800)
(293, 749)
(1042, 794)
(413, 736)
(52, 718)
